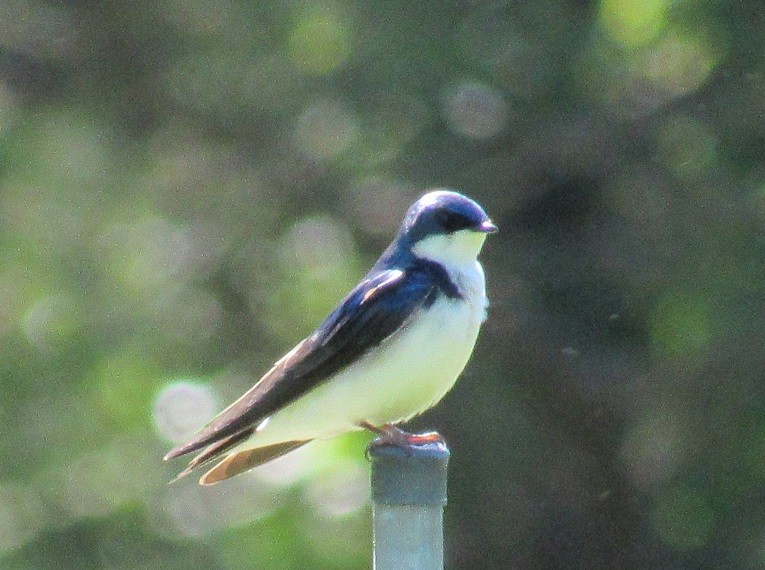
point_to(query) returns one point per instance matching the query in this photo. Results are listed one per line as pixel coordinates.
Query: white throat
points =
(455, 250)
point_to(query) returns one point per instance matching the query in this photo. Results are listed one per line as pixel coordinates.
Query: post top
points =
(413, 476)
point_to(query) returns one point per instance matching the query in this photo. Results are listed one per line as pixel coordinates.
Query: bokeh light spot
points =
(680, 63)
(84, 488)
(325, 130)
(181, 408)
(376, 203)
(633, 23)
(319, 43)
(653, 447)
(474, 109)
(147, 252)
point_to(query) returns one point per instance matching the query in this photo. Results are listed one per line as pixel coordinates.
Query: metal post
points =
(408, 499)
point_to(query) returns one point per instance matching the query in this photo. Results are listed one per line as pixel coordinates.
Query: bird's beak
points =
(487, 227)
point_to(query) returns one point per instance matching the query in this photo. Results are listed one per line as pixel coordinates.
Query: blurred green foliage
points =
(187, 187)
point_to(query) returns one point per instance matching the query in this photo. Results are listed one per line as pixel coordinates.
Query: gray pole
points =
(408, 499)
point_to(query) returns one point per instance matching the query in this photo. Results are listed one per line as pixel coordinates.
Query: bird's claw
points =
(390, 436)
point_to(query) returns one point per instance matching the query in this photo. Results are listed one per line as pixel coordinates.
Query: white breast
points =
(408, 374)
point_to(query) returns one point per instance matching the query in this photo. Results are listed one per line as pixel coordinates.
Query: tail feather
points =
(211, 452)
(241, 461)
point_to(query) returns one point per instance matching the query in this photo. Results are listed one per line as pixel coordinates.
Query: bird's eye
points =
(452, 221)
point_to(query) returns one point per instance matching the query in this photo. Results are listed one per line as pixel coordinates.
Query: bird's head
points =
(446, 227)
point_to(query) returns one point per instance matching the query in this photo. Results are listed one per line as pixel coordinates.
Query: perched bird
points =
(390, 350)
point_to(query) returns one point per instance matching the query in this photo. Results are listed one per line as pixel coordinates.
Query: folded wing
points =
(377, 308)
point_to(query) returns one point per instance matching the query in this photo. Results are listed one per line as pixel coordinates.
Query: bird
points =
(391, 349)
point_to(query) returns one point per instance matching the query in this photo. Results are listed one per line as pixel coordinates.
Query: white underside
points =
(405, 376)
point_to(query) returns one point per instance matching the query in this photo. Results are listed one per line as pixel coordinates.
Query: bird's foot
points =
(390, 435)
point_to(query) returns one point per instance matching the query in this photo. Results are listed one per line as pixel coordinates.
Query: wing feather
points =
(377, 308)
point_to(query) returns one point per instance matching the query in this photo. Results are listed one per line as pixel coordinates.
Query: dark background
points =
(187, 187)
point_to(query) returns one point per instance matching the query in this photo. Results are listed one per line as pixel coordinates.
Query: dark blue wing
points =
(377, 308)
